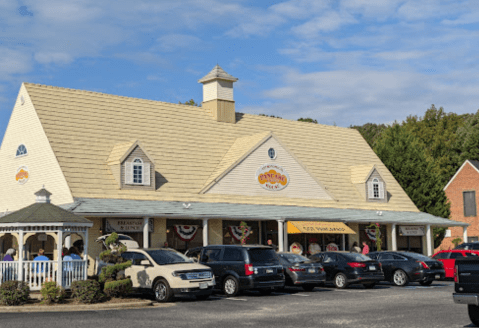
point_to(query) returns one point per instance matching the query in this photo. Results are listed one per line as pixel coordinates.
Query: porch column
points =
(146, 235)
(464, 234)
(428, 240)
(205, 232)
(286, 242)
(281, 235)
(68, 241)
(59, 259)
(85, 254)
(394, 238)
(344, 242)
(20, 255)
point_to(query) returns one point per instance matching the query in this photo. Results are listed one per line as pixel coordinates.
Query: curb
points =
(81, 307)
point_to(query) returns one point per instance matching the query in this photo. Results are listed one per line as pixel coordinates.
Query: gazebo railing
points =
(37, 272)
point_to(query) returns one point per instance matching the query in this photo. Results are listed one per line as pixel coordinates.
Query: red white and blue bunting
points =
(236, 232)
(186, 233)
(371, 233)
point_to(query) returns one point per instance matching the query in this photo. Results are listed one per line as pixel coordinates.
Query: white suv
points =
(168, 273)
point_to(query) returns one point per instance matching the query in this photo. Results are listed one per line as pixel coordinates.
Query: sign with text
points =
(411, 231)
(22, 175)
(318, 227)
(127, 225)
(272, 177)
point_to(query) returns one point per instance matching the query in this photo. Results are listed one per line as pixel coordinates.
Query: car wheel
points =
(473, 314)
(308, 287)
(162, 291)
(202, 297)
(400, 278)
(340, 281)
(230, 286)
(369, 286)
(426, 282)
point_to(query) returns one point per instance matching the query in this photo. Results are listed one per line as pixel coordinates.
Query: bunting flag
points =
(236, 232)
(186, 233)
(371, 233)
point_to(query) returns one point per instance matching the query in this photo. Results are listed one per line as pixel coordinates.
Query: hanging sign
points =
(22, 175)
(127, 225)
(272, 177)
(411, 231)
(236, 232)
(314, 248)
(332, 247)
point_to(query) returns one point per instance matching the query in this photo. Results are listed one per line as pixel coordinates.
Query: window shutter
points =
(146, 174)
(370, 190)
(469, 203)
(381, 190)
(128, 173)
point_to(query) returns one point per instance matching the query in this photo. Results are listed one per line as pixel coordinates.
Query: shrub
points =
(52, 293)
(109, 272)
(14, 292)
(87, 291)
(118, 288)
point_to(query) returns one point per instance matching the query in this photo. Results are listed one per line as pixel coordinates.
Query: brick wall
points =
(466, 180)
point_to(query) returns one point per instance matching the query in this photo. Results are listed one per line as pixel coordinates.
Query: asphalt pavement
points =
(383, 306)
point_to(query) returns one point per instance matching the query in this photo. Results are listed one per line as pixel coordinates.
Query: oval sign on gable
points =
(272, 177)
(22, 175)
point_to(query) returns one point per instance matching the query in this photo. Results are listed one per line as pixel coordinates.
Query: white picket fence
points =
(37, 272)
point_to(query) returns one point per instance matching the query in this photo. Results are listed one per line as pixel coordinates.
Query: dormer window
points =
(376, 189)
(138, 171)
(21, 151)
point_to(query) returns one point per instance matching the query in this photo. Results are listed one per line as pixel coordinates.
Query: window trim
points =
(21, 155)
(275, 153)
(464, 203)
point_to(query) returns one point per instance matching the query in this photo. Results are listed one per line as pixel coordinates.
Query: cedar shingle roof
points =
(43, 213)
(190, 147)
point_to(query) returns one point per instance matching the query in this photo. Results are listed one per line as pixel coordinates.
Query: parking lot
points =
(383, 306)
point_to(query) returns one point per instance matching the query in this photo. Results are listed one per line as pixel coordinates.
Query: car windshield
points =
(294, 258)
(356, 257)
(163, 256)
(418, 257)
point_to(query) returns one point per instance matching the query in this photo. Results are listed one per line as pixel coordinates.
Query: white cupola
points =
(218, 94)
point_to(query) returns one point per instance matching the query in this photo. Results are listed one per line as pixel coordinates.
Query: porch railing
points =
(37, 272)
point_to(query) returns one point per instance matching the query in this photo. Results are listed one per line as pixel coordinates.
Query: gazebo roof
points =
(43, 213)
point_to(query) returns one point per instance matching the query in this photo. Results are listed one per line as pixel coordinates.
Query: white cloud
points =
(14, 61)
(328, 22)
(175, 42)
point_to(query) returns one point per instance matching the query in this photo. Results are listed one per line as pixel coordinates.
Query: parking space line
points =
(304, 295)
(235, 299)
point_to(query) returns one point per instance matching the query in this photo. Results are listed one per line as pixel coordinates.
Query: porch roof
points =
(141, 208)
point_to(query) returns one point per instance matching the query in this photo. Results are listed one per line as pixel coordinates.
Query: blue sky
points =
(344, 62)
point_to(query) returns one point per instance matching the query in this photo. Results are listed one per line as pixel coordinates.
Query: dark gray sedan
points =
(300, 271)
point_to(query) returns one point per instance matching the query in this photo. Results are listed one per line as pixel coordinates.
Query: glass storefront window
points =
(363, 236)
(232, 236)
(180, 240)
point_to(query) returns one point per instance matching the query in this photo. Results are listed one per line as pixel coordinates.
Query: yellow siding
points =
(215, 232)
(354, 238)
(158, 237)
(242, 179)
(25, 128)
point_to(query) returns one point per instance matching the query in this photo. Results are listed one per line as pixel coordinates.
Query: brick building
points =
(461, 193)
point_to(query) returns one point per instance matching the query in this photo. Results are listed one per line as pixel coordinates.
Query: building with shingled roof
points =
(188, 176)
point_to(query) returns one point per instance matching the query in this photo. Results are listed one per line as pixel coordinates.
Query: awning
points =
(318, 227)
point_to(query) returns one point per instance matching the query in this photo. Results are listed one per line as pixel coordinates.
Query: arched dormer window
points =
(21, 151)
(376, 189)
(138, 171)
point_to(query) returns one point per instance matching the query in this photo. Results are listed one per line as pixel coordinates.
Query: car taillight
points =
(357, 264)
(248, 269)
(456, 275)
(424, 265)
(297, 269)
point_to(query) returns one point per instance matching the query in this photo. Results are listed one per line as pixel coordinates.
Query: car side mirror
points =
(145, 262)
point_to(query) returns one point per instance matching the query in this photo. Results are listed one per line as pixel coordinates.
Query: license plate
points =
(372, 268)
(311, 270)
(203, 285)
(438, 276)
(269, 270)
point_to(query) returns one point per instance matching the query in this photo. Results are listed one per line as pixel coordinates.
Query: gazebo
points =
(43, 219)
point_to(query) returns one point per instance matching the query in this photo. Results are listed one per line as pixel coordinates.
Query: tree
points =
(308, 119)
(403, 154)
(467, 140)
(270, 116)
(370, 132)
(190, 102)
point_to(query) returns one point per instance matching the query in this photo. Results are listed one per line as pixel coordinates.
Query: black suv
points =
(241, 267)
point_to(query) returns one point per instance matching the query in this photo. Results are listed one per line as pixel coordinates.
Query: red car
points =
(448, 258)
